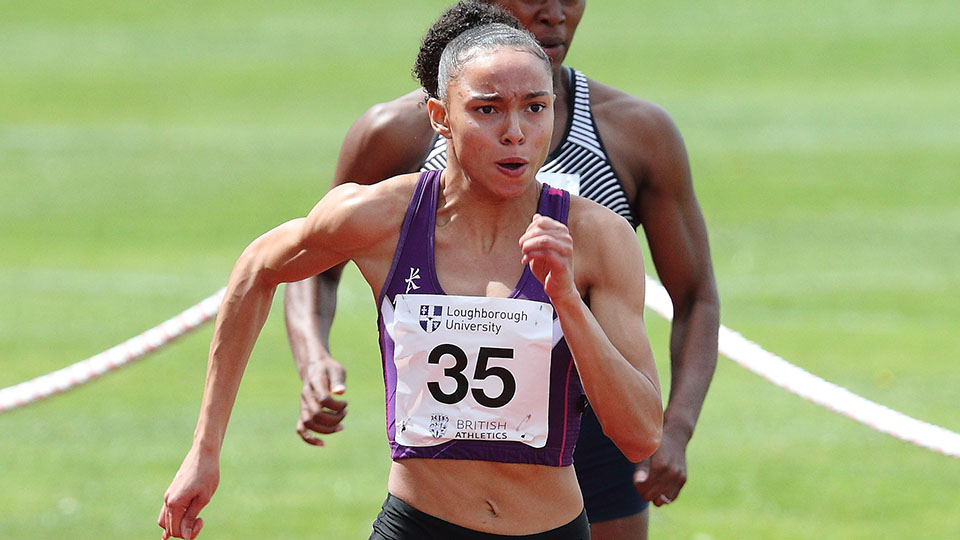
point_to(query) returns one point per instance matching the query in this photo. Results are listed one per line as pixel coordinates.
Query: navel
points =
(492, 508)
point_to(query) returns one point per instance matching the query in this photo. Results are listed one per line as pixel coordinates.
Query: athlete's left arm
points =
(608, 339)
(676, 232)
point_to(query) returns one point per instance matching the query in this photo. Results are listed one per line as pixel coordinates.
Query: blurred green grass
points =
(142, 145)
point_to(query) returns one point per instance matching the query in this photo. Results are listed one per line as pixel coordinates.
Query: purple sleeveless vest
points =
(413, 263)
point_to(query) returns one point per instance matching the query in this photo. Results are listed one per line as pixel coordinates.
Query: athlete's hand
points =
(190, 491)
(548, 248)
(660, 477)
(320, 411)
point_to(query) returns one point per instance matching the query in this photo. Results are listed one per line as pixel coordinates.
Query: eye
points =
(537, 107)
(486, 109)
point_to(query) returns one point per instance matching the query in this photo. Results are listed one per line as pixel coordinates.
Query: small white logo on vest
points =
(438, 425)
(430, 317)
(414, 275)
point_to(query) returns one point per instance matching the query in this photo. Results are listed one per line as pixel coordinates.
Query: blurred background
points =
(144, 144)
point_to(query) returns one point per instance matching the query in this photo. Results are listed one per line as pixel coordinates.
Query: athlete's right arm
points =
(389, 139)
(340, 227)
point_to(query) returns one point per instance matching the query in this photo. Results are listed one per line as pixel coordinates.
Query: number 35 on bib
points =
(471, 368)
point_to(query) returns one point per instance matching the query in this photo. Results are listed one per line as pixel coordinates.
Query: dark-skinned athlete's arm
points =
(677, 235)
(389, 139)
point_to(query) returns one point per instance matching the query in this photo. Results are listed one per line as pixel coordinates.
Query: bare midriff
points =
(499, 498)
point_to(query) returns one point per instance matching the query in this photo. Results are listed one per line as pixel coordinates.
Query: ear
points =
(438, 117)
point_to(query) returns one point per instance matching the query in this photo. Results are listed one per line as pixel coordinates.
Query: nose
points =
(512, 130)
(551, 13)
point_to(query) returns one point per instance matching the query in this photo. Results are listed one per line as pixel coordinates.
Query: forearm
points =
(242, 314)
(693, 359)
(309, 308)
(626, 401)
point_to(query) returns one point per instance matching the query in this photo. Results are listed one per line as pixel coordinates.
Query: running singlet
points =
(470, 377)
(579, 164)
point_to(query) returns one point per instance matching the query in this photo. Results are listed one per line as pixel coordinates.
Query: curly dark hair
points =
(457, 19)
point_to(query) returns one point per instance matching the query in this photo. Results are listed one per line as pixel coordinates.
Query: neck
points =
(476, 211)
(559, 78)
(560, 83)
(561, 109)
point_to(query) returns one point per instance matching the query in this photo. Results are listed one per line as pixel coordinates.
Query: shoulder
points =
(394, 190)
(605, 245)
(624, 114)
(641, 138)
(405, 115)
(361, 214)
(595, 226)
(389, 139)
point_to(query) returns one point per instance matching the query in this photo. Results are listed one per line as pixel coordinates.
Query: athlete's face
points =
(498, 117)
(552, 22)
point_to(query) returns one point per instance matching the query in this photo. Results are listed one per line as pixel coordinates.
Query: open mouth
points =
(512, 166)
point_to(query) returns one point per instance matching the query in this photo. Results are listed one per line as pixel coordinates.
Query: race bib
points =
(471, 368)
(564, 181)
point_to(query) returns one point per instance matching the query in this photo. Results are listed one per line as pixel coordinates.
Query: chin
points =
(512, 188)
(557, 56)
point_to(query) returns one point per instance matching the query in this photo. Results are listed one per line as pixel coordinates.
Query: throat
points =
(482, 237)
(469, 267)
(486, 243)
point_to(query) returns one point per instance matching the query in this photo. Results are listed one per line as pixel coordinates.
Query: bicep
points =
(672, 220)
(617, 298)
(677, 235)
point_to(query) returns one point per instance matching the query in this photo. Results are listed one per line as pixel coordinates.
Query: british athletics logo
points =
(438, 425)
(430, 317)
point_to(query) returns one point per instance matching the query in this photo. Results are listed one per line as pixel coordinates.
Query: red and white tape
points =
(810, 387)
(111, 359)
(731, 344)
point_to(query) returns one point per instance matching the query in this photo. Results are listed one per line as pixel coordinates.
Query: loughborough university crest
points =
(430, 317)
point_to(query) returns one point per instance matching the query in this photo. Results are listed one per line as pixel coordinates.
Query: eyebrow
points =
(497, 97)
